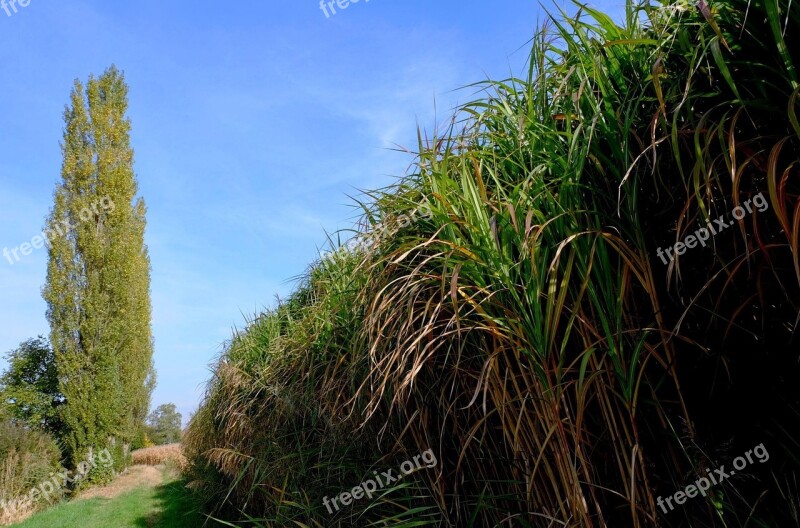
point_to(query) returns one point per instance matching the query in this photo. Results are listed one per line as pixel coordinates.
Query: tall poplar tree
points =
(98, 275)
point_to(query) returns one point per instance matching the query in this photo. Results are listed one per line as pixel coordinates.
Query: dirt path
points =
(132, 478)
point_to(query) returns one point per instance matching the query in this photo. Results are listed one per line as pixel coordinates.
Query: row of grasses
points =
(523, 328)
(27, 458)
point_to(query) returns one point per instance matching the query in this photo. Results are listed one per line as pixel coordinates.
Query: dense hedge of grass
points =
(27, 458)
(524, 328)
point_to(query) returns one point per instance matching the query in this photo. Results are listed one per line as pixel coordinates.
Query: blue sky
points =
(252, 122)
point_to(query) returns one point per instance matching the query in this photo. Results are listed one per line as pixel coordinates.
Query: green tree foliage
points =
(29, 388)
(164, 424)
(98, 276)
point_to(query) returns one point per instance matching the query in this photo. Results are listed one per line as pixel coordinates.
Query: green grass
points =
(166, 506)
(525, 329)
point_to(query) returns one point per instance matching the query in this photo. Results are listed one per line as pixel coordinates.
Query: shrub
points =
(27, 459)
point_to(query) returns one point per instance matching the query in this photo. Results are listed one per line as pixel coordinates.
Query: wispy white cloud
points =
(251, 123)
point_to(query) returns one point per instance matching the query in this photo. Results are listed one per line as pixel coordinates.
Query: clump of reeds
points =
(524, 328)
(27, 458)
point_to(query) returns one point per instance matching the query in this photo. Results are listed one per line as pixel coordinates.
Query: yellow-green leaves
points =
(98, 280)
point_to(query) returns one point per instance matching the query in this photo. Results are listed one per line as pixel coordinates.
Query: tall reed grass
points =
(27, 458)
(525, 329)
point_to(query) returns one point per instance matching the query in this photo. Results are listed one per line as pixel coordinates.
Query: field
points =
(158, 455)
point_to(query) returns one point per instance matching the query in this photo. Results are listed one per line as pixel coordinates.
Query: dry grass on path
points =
(147, 470)
(134, 477)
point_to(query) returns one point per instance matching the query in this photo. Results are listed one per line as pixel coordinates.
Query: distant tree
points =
(29, 390)
(98, 274)
(164, 424)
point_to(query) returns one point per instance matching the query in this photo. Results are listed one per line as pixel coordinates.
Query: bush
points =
(141, 440)
(27, 459)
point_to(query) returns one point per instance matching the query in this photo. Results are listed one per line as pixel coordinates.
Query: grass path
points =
(144, 497)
